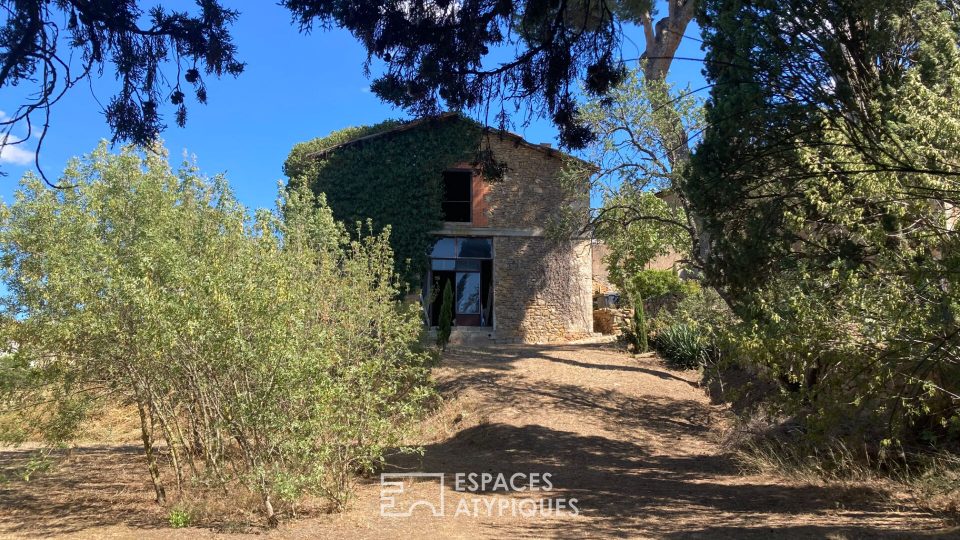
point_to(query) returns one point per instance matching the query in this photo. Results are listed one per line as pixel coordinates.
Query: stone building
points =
(512, 281)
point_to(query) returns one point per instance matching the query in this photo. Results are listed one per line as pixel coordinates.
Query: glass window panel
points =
(443, 264)
(468, 265)
(475, 248)
(445, 247)
(468, 293)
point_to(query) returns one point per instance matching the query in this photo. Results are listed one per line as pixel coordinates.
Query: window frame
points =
(469, 202)
(457, 271)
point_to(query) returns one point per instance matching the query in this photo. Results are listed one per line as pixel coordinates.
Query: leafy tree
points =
(636, 228)
(434, 50)
(645, 211)
(827, 181)
(644, 208)
(156, 55)
(265, 354)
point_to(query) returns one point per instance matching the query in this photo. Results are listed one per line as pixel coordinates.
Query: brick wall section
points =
(542, 287)
(478, 201)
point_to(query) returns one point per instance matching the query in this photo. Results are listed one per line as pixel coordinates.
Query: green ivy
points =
(393, 180)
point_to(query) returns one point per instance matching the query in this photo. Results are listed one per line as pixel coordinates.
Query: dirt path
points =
(628, 442)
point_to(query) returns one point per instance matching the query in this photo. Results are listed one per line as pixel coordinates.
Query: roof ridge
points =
(396, 129)
(549, 150)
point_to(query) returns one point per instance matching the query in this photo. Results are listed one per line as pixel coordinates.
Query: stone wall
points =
(542, 286)
(541, 289)
(530, 193)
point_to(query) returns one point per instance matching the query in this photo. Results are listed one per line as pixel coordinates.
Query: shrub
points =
(694, 333)
(682, 346)
(652, 283)
(267, 354)
(179, 518)
(647, 284)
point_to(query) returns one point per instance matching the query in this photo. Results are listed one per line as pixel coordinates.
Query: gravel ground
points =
(631, 445)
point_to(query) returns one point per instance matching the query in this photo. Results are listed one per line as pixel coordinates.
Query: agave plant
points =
(682, 345)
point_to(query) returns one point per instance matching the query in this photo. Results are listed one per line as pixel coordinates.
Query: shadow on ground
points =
(623, 487)
(618, 486)
(639, 463)
(84, 488)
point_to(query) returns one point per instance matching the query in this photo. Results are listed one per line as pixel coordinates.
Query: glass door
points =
(465, 263)
(468, 299)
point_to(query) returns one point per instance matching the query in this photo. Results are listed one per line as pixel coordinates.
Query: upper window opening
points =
(456, 196)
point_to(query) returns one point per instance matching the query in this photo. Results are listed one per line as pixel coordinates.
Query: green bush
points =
(682, 346)
(264, 353)
(704, 308)
(694, 332)
(179, 518)
(652, 283)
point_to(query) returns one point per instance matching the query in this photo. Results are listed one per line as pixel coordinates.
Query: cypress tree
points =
(446, 317)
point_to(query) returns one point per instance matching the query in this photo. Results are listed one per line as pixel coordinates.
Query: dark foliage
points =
(157, 55)
(793, 77)
(827, 182)
(393, 180)
(434, 51)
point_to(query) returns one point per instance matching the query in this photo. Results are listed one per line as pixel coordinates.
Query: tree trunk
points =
(664, 38)
(662, 41)
(272, 520)
(146, 432)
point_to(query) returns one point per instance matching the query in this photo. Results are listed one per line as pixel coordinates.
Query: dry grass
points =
(217, 510)
(108, 423)
(936, 486)
(635, 443)
(930, 482)
(111, 424)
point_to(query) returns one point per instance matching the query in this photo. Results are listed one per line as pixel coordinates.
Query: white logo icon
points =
(392, 487)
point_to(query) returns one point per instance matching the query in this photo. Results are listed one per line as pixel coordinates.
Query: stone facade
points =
(542, 287)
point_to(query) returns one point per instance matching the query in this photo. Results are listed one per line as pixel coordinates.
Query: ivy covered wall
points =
(394, 179)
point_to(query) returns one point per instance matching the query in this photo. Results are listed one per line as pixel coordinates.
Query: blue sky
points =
(295, 87)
